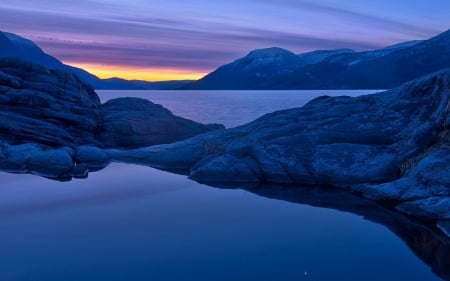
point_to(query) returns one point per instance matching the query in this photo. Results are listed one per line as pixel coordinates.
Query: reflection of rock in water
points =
(428, 243)
(392, 146)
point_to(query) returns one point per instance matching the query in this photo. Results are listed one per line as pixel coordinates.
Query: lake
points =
(130, 222)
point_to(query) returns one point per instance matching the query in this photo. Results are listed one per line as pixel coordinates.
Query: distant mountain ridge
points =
(277, 68)
(319, 55)
(384, 68)
(15, 46)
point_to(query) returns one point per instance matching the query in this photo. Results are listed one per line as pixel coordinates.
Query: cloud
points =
(360, 18)
(95, 32)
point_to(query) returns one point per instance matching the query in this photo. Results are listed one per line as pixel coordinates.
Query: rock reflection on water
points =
(423, 238)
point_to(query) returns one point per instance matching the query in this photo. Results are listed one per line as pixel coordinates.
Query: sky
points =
(163, 40)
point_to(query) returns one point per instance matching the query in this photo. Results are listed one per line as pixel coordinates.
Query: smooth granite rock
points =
(337, 141)
(50, 107)
(431, 208)
(136, 122)
(15, 159)
(55, 163)
(94, 157)
(47, 113)
(428, 178)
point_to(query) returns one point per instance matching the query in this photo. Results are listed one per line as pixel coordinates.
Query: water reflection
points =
(425, 240)
(121, 194)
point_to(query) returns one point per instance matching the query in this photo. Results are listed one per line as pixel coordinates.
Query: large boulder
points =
(136, 122)
(15, 159)
(62, 163)
(51, 107)
(54, 163)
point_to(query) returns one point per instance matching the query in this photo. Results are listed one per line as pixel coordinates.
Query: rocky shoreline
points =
(53, 125)
(391, 147)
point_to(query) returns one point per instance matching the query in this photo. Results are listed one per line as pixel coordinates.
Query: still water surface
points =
(131, 223)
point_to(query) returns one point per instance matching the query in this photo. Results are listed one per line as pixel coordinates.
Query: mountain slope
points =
(320, 55)
(14, 46)
(254, 71)
(334, 69)
(381, 69)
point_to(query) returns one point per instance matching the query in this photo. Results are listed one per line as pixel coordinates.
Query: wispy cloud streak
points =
(202, 35)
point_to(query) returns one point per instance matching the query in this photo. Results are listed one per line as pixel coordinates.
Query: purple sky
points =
(201, 35)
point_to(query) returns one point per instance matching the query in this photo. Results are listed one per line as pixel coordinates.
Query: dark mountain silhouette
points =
(385, 68)
(14, 46)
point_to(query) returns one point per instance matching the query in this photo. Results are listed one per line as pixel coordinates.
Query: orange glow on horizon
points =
(136, 73)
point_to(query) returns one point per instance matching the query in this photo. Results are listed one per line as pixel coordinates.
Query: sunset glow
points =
(158, 39)
(135, 73)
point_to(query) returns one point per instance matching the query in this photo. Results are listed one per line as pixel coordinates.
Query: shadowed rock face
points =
(135, 122)
(50, 107)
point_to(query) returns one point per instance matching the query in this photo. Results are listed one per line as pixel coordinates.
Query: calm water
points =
(135, 223)
(231, 108)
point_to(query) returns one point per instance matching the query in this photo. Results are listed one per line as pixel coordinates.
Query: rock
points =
(80, 171)
(93, 157)
(431, 208)
(444, 226)
(345, 164)
(227, 166)
(336, 141)
(402, 189)
(50, 107)
(48, 112)
(54, 163)
(427, 178)
(15, 158)
(165, 157)
(136, 122)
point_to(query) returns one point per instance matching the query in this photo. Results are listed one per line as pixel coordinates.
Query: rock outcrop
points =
(53, 125)
(136, 122)
(50, 107)
(62, 163)
(390, 146)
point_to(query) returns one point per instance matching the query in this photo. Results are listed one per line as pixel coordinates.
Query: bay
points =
(129, 222)
(231, 108)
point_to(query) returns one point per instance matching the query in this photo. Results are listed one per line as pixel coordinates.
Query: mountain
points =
(14, 46)
(380, 69)
(254, 71)
(384, 68)
(319, 55)
(403, 45)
